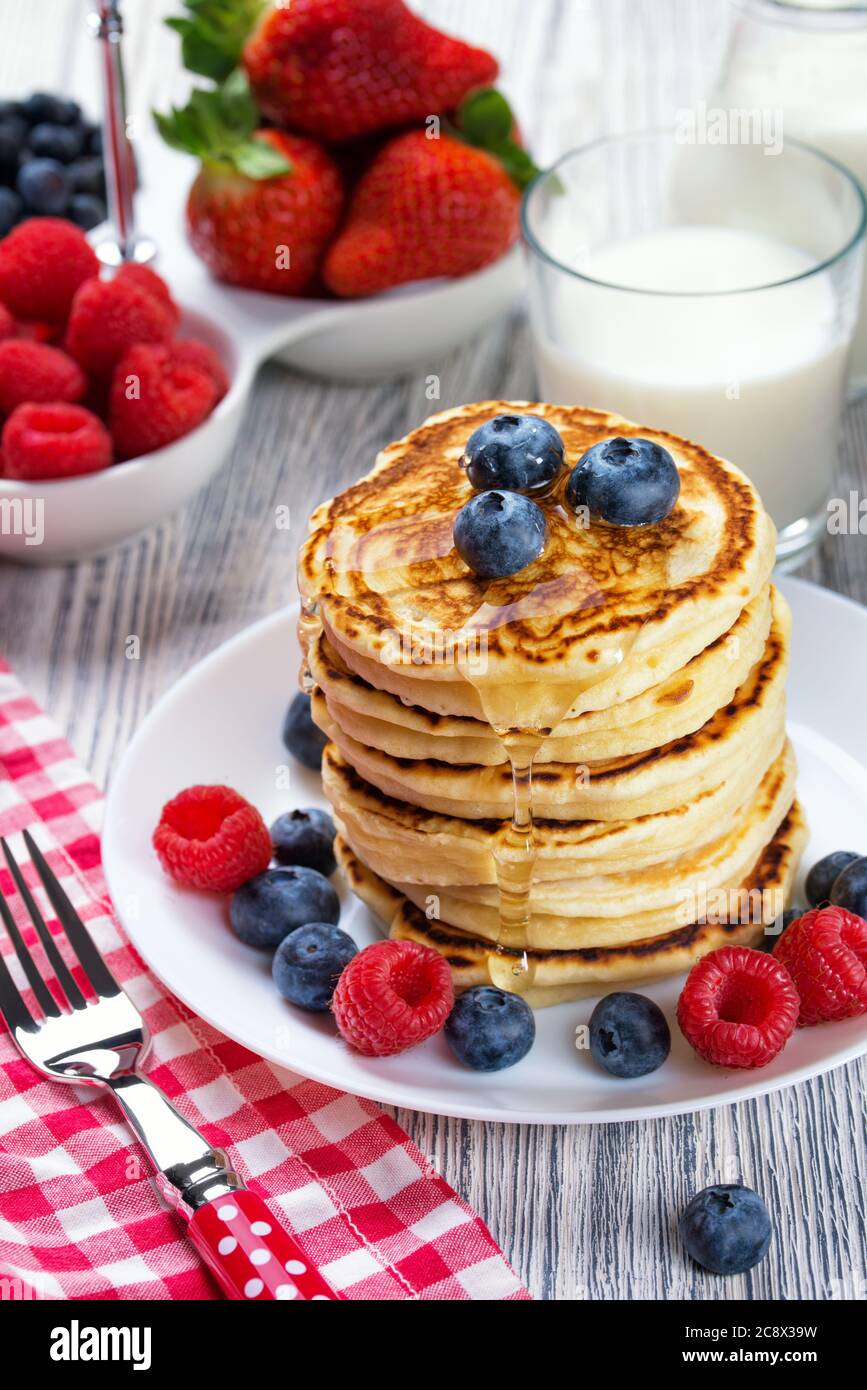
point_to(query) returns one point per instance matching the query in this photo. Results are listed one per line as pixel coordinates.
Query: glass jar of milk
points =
(806, 63)
(710, 289)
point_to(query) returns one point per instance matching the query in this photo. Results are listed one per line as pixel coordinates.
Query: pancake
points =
(394, 837)
(676, 706)
(620, 788)
(632, 603)
(563, 975)
(641, 670)
(597, 909)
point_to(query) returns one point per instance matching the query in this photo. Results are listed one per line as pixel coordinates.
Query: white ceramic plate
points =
(221, 723)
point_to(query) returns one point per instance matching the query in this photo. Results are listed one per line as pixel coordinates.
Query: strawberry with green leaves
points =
(431, 207)
(334, 69)
(265, 204)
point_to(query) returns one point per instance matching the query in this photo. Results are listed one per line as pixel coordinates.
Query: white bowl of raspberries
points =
(116, 405)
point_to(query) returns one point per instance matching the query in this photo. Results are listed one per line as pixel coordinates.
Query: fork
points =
(101, 1042)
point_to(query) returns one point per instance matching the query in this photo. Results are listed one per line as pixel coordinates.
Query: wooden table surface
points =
(581, 1212)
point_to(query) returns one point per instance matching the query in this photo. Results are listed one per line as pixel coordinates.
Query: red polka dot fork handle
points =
(250, 1254)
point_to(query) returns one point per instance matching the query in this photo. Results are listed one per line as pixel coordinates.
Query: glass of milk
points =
(807, 63)
(710, 289)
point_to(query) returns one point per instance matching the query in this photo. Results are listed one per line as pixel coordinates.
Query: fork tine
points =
(12, 1006)
(64, 979)
(47, 1002)
(89, 957)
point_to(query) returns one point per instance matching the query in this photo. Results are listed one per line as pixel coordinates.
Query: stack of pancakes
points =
(649, 665)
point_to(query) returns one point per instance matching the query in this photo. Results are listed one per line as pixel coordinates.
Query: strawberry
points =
(338, 69)
(265, 204)
(335, 69)
(433, 207)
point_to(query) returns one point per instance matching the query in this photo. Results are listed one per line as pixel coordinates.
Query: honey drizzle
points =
(515, 857)
(309, 630)
(510, 967)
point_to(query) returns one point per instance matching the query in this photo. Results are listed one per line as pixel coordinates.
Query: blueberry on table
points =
(489, 1029)
(820, 879)
(44, 186)
(499, 533)
(629, 1035)
(308, 963)
(303, 739)
(627, 482)
(279, 901)
(726, 1229)
(849, 889)
(518, 453)
(55, 142)
(305, 837)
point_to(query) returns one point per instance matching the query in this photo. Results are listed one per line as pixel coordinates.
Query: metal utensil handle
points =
(107, 26)
(251, 1255)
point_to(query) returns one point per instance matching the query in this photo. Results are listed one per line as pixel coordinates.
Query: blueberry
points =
(15, 130)
(727, 1228)
(307, 964)
(277, 902)
(44, 186)
(305, 837)
(489, 1029)
(629, 1035)
(11, 110)
(86, 211)
(40, 106)
(820, 879)
(11, 209)
(628, 482)
(499, 533)
(94, 141)
(87, 175)
(10, 151)
(518, 453)
(55, 142)
(779, 925)
(849, 889)
(66, 111)
(303, 739)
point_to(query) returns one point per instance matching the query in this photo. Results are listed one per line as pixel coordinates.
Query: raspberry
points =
(35, 372)
(210, 837)
(42, 263)
(825, 952)
(35, 332)
(109, 316)
(392, 996)
(152, 284)
(155, 399)
(195, 354)
(7, 323)
(738, 1007)
(54, 440)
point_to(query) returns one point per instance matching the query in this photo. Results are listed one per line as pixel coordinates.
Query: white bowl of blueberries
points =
(50, 162)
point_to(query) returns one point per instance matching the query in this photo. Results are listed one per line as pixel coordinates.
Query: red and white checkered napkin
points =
(79, 1216)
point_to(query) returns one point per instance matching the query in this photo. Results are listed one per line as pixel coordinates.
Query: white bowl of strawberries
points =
(350, 156)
